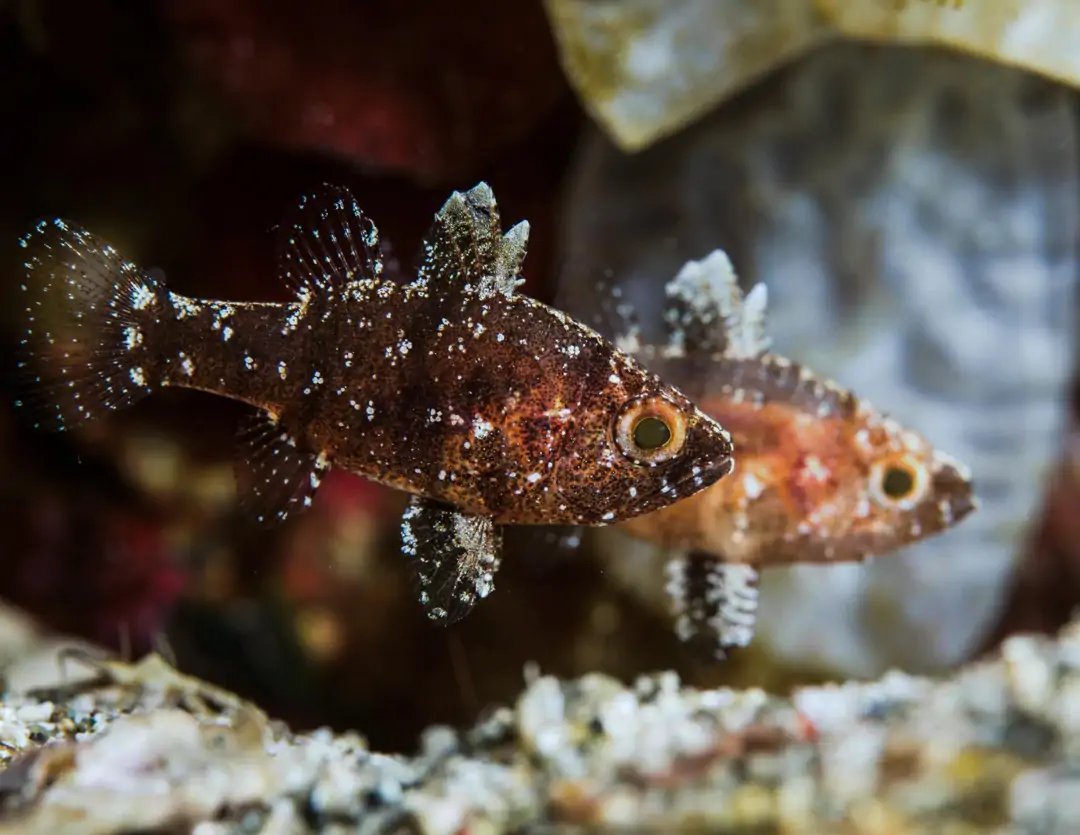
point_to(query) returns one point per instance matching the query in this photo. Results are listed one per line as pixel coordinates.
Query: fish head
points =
(906, 490)
(636, 445)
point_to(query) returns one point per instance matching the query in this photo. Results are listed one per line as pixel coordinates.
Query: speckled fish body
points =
(485, 405)
(823, 477)
(814, 465)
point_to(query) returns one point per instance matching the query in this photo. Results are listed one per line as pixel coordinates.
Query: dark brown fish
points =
(487, 406)
(823, 476)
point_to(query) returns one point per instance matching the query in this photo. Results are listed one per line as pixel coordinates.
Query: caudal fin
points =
(89, 323)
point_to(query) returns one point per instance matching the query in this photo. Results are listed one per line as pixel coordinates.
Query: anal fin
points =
(453, 557)
(714, 602)
(275, 475)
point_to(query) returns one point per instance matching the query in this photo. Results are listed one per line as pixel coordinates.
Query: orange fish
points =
(821, 475)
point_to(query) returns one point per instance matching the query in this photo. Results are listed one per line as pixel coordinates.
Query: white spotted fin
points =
(707, 313)
(327, 242)
(453, 557)
(275, 475)
(88, 347)
(465, 250)
(714, 603)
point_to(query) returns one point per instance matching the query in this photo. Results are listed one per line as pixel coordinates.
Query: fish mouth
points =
(954, 488)
(702, 473)
(704, 476)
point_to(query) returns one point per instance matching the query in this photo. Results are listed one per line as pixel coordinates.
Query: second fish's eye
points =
(897, 482)
(650, 431)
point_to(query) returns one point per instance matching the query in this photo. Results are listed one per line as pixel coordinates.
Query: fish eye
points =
(651, 433)
(898, 481)
(650, 430)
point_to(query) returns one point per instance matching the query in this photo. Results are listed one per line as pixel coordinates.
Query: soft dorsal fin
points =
(465, 250)
(708, 314)
(326, 242)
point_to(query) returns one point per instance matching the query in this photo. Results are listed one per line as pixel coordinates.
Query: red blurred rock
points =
(1047, 585)
(422, 87)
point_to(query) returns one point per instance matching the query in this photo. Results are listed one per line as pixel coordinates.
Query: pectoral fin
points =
(275, 475)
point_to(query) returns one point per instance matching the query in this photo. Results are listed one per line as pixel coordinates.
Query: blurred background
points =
(914, 210)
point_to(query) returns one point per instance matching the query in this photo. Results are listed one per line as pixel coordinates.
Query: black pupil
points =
(651, 433)
(897, 483)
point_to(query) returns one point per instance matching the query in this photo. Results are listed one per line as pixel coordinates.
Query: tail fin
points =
(90, 316)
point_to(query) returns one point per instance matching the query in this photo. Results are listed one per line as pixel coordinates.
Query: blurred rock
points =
(1046, 591)
(645, 69)
(991, 749)
(915, 216)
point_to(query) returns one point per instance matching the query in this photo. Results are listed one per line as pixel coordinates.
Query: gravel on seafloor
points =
(142, 748)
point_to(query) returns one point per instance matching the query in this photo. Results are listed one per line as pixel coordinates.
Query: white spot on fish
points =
(186, 364)
(752, 488)
(481, 427)
(282, 370)
(132, 337)
(137, 377)
(142, 297)
(184, 306)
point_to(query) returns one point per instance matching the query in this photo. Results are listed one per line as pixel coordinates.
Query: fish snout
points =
(708, 456)
(953, 488)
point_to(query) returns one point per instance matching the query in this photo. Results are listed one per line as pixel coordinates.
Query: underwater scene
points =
(612, 416)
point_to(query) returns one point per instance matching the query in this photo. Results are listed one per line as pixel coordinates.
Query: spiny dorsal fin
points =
(708, 314)
(465, 250)
(512, 250)
(327, 241)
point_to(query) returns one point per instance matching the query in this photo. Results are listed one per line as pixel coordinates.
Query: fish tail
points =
(88, 345)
